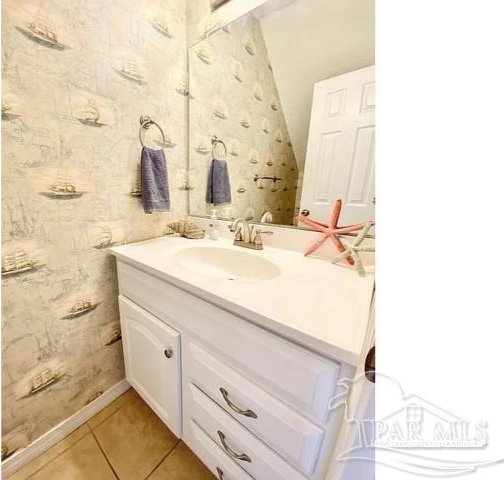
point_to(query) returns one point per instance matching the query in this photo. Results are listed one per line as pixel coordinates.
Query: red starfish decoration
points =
(331, 231)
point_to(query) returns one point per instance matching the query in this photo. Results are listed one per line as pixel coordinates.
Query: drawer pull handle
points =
(168, 353)
(232, 406)
(239, 456)
(220, 473)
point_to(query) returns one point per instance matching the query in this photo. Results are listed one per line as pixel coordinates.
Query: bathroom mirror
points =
(288, 92)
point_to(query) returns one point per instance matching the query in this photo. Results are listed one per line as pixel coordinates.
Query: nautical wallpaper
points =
(77, 75)
(233, 96)
(202, 18)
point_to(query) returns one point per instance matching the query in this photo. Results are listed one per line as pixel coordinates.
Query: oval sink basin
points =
(226, 263)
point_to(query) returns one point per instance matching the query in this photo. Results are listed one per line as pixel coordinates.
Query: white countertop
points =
(313, 302)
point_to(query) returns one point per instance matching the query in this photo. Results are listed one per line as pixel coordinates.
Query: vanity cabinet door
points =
(152, 362)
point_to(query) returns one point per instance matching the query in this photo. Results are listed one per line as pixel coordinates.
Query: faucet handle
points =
(256, 238)
(233, 226)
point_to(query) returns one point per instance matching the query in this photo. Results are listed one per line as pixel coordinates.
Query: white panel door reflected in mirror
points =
(340, 155)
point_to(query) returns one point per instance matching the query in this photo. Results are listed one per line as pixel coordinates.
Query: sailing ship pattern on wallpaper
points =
(106, 237)
(182, 88)
(43, 32)
(63, 188)
(14, 440)
(111, 334)
(94, 396)
(235, 144)
(258, 92)
(245, 121)
(166, 144)
(161, 25)
(204, 55)
(131, 71)
(18, 262)
(253, 157)
(266, 126)
(7, 113)
(6, 452)
(82, 306)
(42, 380)
(202, 148)
(136, 190)
(238, 71)
(250, 47)
(90, 114)
(220, 109)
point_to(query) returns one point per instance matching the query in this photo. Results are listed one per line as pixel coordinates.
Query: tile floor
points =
(124, 441)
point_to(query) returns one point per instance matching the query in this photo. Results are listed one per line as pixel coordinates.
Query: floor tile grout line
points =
(107, 417)
(57, 456)
(105, 455)
(163, 459)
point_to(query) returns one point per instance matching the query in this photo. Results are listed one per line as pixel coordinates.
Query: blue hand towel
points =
(155, 193)
(218, 188)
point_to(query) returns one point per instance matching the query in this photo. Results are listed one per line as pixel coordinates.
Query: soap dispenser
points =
(213, 231)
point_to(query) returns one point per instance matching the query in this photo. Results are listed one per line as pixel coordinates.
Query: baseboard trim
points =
(53, 436)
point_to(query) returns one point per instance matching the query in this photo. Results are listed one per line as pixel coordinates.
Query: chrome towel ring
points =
(215, 141)
(145, 123)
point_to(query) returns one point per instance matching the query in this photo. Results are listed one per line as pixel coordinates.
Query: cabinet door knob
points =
(239, 456)
(305, 212)
(220, 473)
(168, 352)
(232, 406)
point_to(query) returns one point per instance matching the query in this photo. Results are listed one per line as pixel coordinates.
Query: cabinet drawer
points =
(152, 362)
(247, 451)
(295, 375)
(286, 431)
(213, 456)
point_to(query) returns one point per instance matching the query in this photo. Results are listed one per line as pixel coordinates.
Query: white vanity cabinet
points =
(152, 362)
(250, 403)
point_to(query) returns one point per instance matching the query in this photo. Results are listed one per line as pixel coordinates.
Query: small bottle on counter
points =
(213, 231)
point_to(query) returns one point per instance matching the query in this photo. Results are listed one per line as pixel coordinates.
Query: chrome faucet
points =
(246, 235)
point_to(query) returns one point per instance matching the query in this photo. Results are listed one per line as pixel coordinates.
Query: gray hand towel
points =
(218, 188)
(155, 193)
